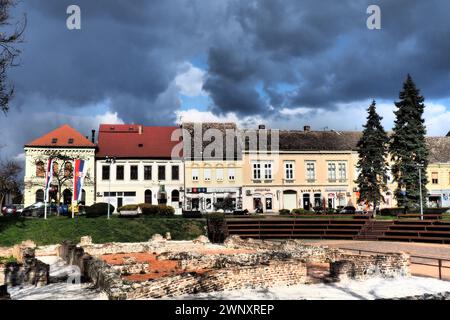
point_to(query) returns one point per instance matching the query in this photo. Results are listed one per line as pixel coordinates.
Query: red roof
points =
(64, 136)
(135, 141)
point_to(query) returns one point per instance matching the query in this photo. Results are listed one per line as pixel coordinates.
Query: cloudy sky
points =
(284, 63)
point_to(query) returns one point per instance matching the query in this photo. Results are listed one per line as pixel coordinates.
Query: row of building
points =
(198, 165)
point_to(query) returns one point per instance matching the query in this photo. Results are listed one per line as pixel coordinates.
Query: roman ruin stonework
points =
(163, 268)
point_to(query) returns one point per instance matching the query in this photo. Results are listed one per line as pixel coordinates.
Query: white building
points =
(134, 165)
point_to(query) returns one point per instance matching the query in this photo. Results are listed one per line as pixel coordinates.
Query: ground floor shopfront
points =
(273, 199)
(204, 199)
(438, 198)
(122, 194)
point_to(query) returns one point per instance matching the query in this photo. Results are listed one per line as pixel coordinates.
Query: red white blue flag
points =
(48, 178)
(78, 179)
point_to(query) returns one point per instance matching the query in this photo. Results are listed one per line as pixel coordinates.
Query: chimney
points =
(140, 129)
(307, 128)
(262, 127)
(93, 136)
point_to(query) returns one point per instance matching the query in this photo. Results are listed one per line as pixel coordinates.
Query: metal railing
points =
(439, 264)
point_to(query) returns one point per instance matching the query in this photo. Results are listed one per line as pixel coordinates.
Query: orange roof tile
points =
(64, 136)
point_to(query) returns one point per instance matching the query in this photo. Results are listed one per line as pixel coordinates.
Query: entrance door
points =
(306, 201)
(289, 200)
(119, 202)
(195, 204)
(268, 204)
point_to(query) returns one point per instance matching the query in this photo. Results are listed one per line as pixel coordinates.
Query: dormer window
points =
(71, 141)
(140, 145)
(54, 140)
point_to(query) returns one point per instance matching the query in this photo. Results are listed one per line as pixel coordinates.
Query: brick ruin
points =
(162, 268)
(26, 270)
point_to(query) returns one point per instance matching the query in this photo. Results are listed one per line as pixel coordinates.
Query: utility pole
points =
(110, 161)
(420, 166)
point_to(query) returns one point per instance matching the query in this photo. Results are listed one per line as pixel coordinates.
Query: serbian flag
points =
(78, 179)
(48, 178)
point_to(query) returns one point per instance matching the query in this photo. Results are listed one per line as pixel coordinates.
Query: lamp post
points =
(420, 166)
(110, 161)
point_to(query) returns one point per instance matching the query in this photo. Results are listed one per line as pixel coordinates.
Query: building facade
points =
(134, 164)
(213, 166)
(310, 170)
(63, 145)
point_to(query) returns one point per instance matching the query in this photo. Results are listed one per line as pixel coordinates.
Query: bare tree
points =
(9, 37)
(10, 180)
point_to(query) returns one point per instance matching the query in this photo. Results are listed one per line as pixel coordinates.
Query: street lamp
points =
(420, 166)
(110, 161)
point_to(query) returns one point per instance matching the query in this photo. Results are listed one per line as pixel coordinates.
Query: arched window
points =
(40, 169)
(67, 196)
(55, 168)
(175, 196)
(148, 196)
(40, 195)
(68, 169)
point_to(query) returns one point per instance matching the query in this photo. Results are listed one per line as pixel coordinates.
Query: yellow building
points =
(64, 142)
(213, 169)
(309, 169)
(438, 172)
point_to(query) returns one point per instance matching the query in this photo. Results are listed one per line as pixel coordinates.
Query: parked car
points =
(348, 210)
(9, 210)
(38, 210)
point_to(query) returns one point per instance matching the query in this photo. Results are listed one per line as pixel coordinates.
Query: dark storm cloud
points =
(325, 53)
(261, 56)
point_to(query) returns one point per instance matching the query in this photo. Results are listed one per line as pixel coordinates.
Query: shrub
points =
(240, 212)
(6, 260)
(284, 211)
(156, 210)
(401, 210)
(128, 207)
(165, 211)
(301, 211)
(192, 214)
(99, 209)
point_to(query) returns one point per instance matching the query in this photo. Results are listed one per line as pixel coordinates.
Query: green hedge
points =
(128, 207)
(99, 209)
(284, 212)
(301, 211)
(156, 210)
(397, 211)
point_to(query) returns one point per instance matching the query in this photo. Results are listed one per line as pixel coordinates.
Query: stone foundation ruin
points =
(162, 268)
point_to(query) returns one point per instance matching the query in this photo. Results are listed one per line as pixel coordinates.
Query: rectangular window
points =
(256, 171)
(175, 173)
(194, 174)
(129, 194)
(105, 172)
(207, 174)
(342, 171)
(133, 172)
(231, 174)
(310, 171)
(161, 173)
(289, 170)
(147, 172)
(434, 178)
(268, 171)
(331, 171)
(219, 174)
(119, 172)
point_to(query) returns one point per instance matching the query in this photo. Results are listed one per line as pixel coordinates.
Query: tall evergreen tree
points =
(408, 146)
(372, 164)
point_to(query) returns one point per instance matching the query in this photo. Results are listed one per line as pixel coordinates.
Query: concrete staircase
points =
(373, 229)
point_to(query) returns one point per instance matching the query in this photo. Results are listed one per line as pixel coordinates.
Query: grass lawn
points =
(57, 229)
